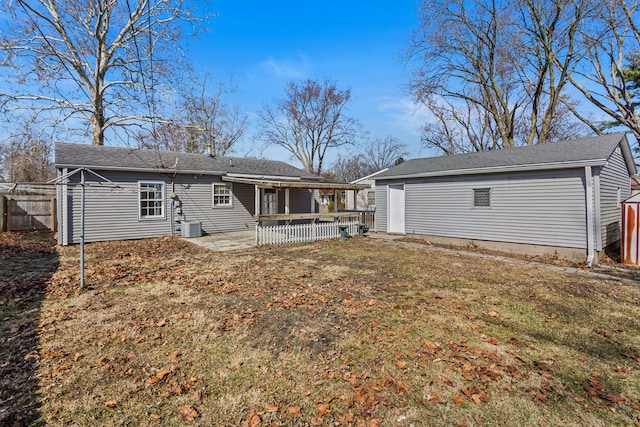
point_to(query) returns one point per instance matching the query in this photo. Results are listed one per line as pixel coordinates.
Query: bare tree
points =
(563, 124)
(309, 121)
(611, 41)
(463, 54)
(92, 64)
(549, 47)
(26, 159)
(202, 120)
(380, 153)
(459, 128)
(632, 77)
(210, 122)
(170, 136)
(383, 153)
(485, 69)
(348, 168)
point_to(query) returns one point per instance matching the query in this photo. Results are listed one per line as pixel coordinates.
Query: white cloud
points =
(403, 113)
(286, 69)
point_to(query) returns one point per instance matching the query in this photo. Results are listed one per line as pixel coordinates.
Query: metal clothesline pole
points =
(82, 190)
(63, 180)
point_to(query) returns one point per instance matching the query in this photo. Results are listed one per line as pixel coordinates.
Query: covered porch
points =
(278, 222)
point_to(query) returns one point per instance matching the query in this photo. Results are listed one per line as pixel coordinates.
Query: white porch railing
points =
(297, 233)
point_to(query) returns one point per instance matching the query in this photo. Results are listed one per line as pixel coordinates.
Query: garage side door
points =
(396, 209)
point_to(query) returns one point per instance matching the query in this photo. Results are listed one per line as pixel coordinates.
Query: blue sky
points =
(262, 45)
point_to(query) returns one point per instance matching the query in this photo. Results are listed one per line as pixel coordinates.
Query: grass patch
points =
(333, 333)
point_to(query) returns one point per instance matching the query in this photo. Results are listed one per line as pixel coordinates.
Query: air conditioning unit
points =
(191, 229)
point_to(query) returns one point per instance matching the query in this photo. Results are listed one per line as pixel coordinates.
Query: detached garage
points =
(560, 198)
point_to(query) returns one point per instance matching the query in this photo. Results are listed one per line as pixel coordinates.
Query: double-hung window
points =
(150, 199)
(222, 195)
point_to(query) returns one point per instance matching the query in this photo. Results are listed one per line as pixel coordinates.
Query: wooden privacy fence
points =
(297, 233)
(27, 212)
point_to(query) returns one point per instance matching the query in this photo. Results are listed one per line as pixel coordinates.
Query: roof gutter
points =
(370, 176)
(318, 185)
(187, 172)
(498, 169)
(270, 177)
(153, 170)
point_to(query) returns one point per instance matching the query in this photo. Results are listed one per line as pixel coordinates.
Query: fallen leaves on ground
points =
(188, 413)
(351, 333)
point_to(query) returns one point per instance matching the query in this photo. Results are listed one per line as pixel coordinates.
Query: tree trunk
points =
(97, 126)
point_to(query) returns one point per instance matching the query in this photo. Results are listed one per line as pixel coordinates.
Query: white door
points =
(396, 209)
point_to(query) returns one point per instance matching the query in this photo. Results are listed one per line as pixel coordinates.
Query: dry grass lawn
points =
(360, 332)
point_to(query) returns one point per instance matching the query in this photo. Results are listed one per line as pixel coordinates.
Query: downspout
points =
(82, 206)
(590, 215)
(63, 227)
(172, 208)
(598, 210)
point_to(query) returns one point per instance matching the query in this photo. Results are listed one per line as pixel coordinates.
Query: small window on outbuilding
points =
(222, 195)
(482, 197)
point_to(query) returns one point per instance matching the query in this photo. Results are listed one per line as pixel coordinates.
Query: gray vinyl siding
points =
(113, 213)
(544, 208)
(614, 175)
(381, 207)
(299, 201)
(196, 195)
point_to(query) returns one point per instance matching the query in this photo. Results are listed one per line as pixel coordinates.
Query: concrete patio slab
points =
(222, 242)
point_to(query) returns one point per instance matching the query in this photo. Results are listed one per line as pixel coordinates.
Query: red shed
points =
(631, 230)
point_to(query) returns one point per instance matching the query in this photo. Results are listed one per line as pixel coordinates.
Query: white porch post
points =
(257, 200)
(257, 210)
(335, 200)
(286, 201)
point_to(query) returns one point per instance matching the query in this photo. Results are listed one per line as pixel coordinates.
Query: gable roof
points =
(100, 157)
(593, 151)
(369, 177)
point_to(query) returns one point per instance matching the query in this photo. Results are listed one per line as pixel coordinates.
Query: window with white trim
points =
(222, 195)
(150, 199)
(371, 199)
(619, 197)
(482, 197)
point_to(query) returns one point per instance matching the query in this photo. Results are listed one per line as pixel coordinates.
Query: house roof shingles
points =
(118, 158)
(594, 150)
